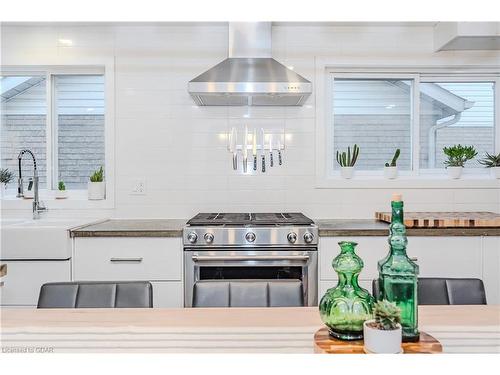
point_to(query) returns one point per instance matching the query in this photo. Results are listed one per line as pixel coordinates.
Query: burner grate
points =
(268, 218)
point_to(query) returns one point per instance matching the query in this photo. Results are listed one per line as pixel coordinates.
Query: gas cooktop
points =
(210, 219)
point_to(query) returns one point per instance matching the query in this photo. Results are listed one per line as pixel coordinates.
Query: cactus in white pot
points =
(492, 162)
(346, 160)
(96, 185)
(391, 169)
(61, 192)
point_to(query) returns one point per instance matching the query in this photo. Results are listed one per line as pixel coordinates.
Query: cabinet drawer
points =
(24, 279)
(118, 259)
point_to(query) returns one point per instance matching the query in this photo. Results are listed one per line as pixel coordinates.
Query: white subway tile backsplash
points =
(181, 149)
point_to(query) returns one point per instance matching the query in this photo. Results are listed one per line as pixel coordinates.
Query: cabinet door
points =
(24, 279)
(447, 256)
(491, 269)
(168, 294)
(119, 259)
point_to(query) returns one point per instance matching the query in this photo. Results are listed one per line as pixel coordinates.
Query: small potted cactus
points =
(6, 177)
(61, 192)
(457, 156)
(492, 162)
(383, 334)
(346, 160)
(391, 169)
(96, 187)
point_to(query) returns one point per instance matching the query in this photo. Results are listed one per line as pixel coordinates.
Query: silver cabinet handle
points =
(203, 258)
(414, 259)
(123, 260)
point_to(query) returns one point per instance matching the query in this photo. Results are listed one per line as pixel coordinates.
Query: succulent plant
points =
(345, 159)
(394, 159)
(6, 176)
(61, 186)
(490, 161)
(97, 176)
(458, 155)
(387, 315)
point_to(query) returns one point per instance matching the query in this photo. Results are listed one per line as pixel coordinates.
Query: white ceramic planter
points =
(454, 172)
(390, 172)
(347, 172)
(495, 172)
(96, 190)
(381, 341)
(61, 194)
(3, 189)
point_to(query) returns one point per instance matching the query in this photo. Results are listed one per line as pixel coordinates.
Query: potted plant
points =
(383, 334)
(347, 161)
(391, 169)
(6, 176)
(61, 192)
(493, 162)
(96, 186)
(457, 156)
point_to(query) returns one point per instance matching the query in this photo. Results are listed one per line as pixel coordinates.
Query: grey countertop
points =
(132, 228)
(327, 228)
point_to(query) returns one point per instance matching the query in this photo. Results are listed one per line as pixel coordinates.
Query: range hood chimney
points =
(250, 76)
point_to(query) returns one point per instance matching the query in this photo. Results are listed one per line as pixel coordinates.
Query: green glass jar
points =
(398, 275)
(345, 307)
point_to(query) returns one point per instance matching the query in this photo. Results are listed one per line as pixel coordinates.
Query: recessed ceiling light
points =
(66, 42)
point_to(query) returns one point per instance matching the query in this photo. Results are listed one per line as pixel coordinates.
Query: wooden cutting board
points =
(445, 219)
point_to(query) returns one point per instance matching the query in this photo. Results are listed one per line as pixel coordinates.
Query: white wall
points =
(162, 136)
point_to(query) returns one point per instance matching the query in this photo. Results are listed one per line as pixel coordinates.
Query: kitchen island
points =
(460, 329)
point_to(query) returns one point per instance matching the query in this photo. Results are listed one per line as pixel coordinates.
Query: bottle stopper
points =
(397, 197)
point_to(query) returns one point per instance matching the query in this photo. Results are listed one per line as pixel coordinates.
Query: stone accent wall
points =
(80, 148)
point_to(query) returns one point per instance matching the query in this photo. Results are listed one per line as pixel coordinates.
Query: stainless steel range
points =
(251, 246)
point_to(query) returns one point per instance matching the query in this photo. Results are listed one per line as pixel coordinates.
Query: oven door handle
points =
(204, 258)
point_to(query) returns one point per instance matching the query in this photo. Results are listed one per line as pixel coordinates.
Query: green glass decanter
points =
(345, 307)
(398, 274)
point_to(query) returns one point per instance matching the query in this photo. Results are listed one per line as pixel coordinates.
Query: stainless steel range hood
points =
(250, 76)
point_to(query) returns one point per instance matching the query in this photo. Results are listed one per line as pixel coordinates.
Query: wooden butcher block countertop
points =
(446, 219)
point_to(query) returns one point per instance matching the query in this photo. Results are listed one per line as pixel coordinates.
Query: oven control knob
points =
(250, 237)
(308, 237)
(209, 237)
(292, 237)
(192, 237)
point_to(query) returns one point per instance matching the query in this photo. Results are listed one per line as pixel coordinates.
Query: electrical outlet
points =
(139, 187)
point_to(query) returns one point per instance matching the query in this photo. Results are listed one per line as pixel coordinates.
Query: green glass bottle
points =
(345, 307)
(398, 275)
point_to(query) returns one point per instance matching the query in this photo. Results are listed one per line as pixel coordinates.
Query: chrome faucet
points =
(38, 206)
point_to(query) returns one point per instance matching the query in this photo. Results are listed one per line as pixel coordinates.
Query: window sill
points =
(430, 181)
(77, 199)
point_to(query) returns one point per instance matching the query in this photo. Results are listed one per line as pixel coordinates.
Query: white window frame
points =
(327, 177)
(77, 198)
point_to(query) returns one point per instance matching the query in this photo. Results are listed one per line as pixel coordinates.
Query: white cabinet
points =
(158, 260)
(24, 279)
(460, 256)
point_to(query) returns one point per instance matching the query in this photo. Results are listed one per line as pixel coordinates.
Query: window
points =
(455, 112)
(79, 117)
(24, 123)
(376, 115)
(60, 117)
(418, 113)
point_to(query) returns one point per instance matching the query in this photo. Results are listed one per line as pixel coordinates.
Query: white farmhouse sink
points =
(46, 238)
